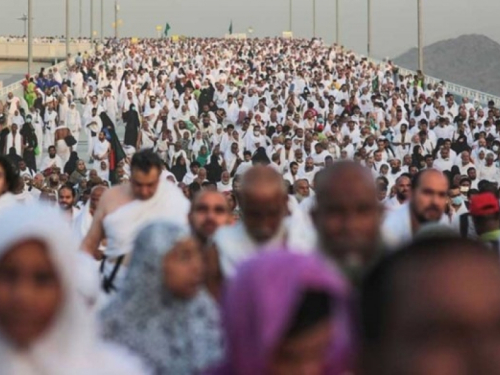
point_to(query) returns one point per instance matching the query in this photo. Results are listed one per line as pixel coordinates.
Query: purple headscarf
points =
(260, 302)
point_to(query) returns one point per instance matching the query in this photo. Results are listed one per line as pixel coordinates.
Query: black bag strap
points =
(107, 282)
(464, 225)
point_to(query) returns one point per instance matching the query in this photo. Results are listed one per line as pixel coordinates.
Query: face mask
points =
(133, 108)
(256, 133)
(457, 201)
(495, 148)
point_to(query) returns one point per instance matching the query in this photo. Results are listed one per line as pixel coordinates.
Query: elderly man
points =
(347, 217)
(263, 200)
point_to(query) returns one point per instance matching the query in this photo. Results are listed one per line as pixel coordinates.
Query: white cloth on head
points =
(122, 225)
(70, 345)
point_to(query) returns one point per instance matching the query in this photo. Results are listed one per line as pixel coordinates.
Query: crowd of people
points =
(262, 206)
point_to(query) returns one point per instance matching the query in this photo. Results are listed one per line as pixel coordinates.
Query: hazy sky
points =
(394, 21)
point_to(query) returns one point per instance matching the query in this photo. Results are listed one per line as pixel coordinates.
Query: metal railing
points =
(17, 89)
(453, 88)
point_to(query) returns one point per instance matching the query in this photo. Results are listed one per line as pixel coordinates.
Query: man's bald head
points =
(263, 200)
(347, 214)
(262, 178)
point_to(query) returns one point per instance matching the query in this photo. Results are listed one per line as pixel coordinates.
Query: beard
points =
(430, 214)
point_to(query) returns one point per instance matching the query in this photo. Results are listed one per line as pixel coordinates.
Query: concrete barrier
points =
(18, 50)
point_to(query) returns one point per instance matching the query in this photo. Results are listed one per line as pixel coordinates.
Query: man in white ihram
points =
(125, 209)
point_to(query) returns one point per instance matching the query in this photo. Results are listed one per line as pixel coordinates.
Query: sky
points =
(394, 21)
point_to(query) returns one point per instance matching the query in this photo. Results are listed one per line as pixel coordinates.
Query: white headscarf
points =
(176, 337)
(70, 345)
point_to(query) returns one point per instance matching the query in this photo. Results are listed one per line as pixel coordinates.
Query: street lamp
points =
(117, 22)
(314, 18)
(420, 37)
(67, 30)
(250, 31)
(30, 35)
(369, 27)
(24, 18)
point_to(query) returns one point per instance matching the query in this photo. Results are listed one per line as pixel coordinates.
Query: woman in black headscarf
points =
(417, 158)
(31, 143)
(179, 169)
(214, 169)
(70, 165)
(132, 126)
(260, 157)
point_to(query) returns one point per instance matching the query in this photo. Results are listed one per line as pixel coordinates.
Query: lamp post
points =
(369, 25)
(30, 35)
(117, 9)
(420, 37)
(102, 21)
(67, 29)
(80, 16)
(314, 18)
(92, 21)
(337, 22)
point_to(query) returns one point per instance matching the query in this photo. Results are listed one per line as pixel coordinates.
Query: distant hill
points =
(469, 60)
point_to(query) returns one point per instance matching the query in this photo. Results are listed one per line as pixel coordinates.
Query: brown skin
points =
(95, 196)
(66, 199)
(304, 354)
(209, 211)
(348, 214)
(30, 292)
(142, 186)
(3, 181)
(439, 324)
(403, 188)
(429, 199)
(264, 210)
(183, 269)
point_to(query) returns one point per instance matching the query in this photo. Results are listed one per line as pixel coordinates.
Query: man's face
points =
(209, 212)
(445, 153)
(465, 157)
(144, 184)
(403, 188)
(472, 173)
(65, 199)
(95, 196)
(302, 188)
(263, 211)
(101, 136)
(441, 325)
(309, 164)
(429, 198)
(347, 218)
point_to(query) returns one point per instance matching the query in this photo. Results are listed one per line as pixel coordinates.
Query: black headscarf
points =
(214, 169)
(178, 170)
(70, 166)
(260, 157)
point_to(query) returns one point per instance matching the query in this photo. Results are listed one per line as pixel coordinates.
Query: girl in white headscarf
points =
(160, 312)
(45, 325)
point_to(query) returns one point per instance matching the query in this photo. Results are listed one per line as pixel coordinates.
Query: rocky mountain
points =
(469, 60)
